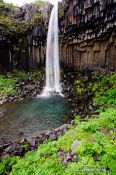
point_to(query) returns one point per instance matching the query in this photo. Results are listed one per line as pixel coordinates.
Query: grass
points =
(6, 86)
(7, 82)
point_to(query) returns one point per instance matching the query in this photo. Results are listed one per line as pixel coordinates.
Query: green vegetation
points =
(14, 28)
(38, 73)
(7, 82)
(7, 164)
(40, 3)
(6, 86)
(103, 88)
(38, 17)
(95, 137)
(106, 90)
(10, 25)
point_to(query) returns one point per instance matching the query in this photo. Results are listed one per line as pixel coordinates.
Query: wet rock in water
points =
(2, 112)
(15, 149)
(40, 138)
(48, 133)
(33, 142)
(34, 94)
(23, 141)
(53, 137)
(59, 133)
(21, 134)
(4, 100)
(61, 128)
(3, 146)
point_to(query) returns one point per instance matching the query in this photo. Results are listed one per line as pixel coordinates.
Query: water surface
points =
(32, 116)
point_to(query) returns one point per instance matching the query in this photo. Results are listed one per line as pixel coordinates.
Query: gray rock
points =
(74, 146)
(61, 128)
(52, 137)
(14, 149)
(2, 112)
(33, 142)
(48, 133)
(59, 133)
(67, 159)
(74, 158)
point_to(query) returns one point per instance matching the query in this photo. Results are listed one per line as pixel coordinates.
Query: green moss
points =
(6, 86)
(106, 93)
(18, 75)
(40, 3)
(38, 17)
(38, 73)
(7, 82)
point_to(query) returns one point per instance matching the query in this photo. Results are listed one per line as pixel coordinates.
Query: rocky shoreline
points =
(22, 145)
(81, 104)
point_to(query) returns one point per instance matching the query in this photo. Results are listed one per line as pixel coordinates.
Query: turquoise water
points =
(32, 116)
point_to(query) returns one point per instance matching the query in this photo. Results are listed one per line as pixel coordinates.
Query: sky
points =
(21, 2)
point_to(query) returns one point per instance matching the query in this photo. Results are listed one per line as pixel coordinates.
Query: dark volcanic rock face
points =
(88, 19)
(88, 34)
(27, 33)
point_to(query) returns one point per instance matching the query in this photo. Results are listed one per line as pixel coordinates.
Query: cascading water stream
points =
(52, 55)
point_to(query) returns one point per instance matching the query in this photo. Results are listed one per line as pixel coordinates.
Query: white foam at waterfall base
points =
(52, 56)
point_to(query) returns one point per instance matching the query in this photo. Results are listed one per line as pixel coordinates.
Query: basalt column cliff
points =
(88, 34)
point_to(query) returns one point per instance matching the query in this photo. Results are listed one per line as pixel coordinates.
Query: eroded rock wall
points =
(87, 31)
(37, 41)
(88, 34)
(24, 46)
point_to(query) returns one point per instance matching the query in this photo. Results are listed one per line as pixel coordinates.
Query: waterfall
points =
(52, 55)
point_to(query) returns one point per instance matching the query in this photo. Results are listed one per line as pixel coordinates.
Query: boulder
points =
(75, 145)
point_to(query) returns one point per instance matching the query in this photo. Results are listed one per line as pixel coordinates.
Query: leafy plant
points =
(6, 86)
(7, 163)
